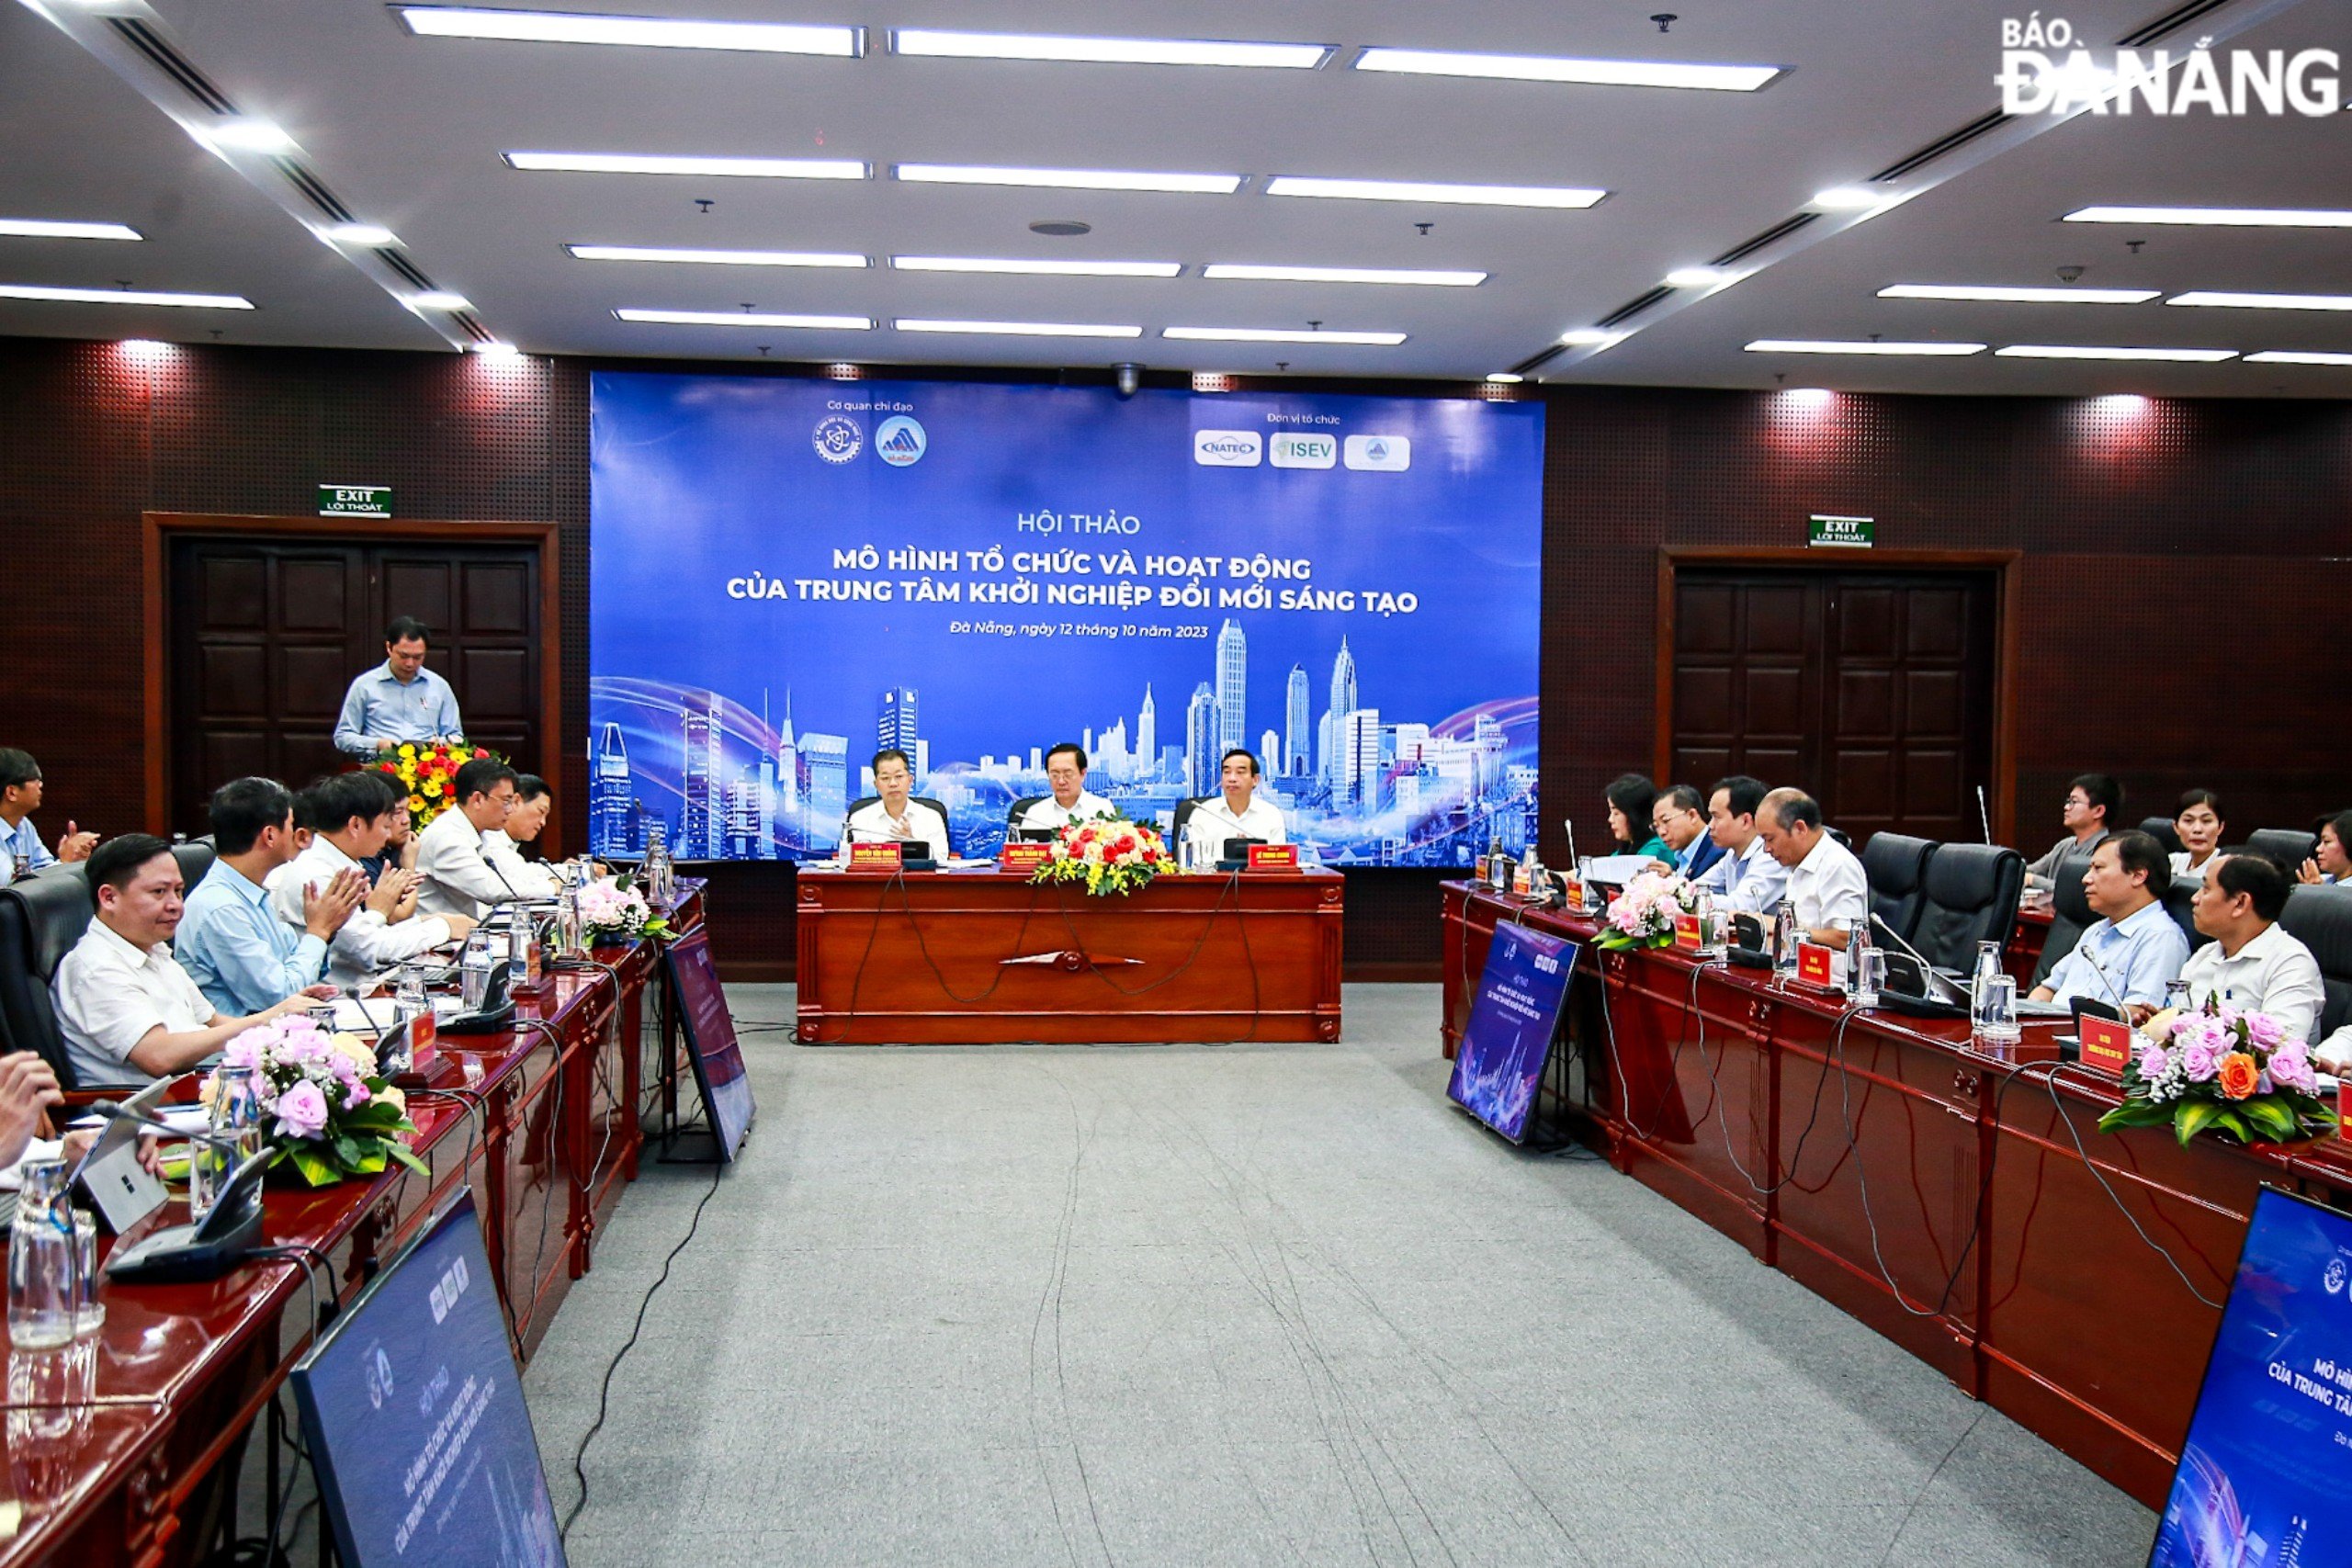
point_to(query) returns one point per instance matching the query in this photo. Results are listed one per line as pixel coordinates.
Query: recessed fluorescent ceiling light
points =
(247, 134)
(2264, 301)
(1542, 68)
(46, 229)
(2217, 217)
(664, 164)
(1699, 277)
(1823, 345)
(440, 299)
(493, 349)
(1504, 378)
(1261, 335)
(645, 32)
(745, 318)
(2070, 351)
(360, 234)
(1589, 338)
(1068, 179)
(1107, 50)
(2029, 296)
(1849, 199)
(1016, 329)
(1427, 190)
(1037, 269)
(1434, 279)
(2296, 356)
(123, 297)
(715, 258)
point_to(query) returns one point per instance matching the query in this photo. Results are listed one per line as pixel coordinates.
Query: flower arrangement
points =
(426, 773)
(613, 911)
(1643, 915)
(2225, 1070)
(319, 1098)
(1109, 854)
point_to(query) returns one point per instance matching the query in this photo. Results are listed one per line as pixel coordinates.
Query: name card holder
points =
(1022, 859)
(1274, 857)
(885, 856)
(2107, 1044)
(1687, 935)
(1815, 965)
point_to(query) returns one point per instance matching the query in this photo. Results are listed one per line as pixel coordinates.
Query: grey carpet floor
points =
(1277, 1304)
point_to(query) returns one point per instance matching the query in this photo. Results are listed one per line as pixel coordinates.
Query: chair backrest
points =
(1184, 809)
(2291, 847)
(1012, 813)
(1970, 896)
(861, 802)
(40, 919)
(2321, 919)
(2161, 829)
(2179, 904)
(2070, 910)
(1896, 865)
(1837, 833)
(195, 858)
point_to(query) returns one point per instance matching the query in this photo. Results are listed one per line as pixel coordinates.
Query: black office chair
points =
(2161, 829)
(40, 919)
(2321, 919)
(1184, 809)
(2291, 847)
(2070, 911)
(1970, 896)
(2178, 905)
(1014, 812)
(1895, 863)
(1838, 834)
(194, 859)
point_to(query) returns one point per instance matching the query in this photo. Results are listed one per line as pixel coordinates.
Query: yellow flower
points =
(408, 748)
(431, 787)
(416, 803)
(393, 1098)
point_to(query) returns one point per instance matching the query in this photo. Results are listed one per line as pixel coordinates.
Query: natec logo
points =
(899, 441)
(1380, 454)
(1228, 448)
(838, 438)
(1294, 450)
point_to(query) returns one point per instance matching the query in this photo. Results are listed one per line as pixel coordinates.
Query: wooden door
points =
(266, 632)
(1872, 690)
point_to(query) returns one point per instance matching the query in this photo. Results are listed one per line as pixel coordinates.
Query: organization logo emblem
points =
(1379, 454)
(1294, 449)
(899, 441)
(838, 438)
(1228, 448)
(2333, 1278)
(380, 1379)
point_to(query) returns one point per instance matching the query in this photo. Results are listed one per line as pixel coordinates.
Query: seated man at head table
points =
(531, 879)
(460, 878)
(1234, 812)
(397, 700)
(1825, 879)
(2127, 957)
(1071, 801)
(21, 851)
(2094, 804)
(2252, 964)
(128, 1012)
(1745, 877)
(352, 815)
(1679, 817)
(242, 957)
(894, 815)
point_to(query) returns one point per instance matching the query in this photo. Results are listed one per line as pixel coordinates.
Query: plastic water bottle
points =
(1784, 936)
(566, 925)
(43, 1265)
(1992, 1020)
(2176, 995)
(1858, 947)
(655, 873)
(518, 949)
(1711, 936)
(473, 970)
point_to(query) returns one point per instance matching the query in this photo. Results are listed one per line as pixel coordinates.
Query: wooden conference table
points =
(1965, 1206)
(130, 1470)
(972, 957)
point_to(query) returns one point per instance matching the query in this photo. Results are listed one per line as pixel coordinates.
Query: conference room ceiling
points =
(408, 132)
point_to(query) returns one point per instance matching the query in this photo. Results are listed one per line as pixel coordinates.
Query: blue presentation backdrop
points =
(787, 575)
(1512, 1019)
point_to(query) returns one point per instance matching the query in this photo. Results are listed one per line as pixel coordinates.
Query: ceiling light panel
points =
(124, 297)
(371, 234)
(2227, 301)
(1012, 265)
(2217, 217)
(2021, 295)
(643, 32)
(1544, 68)
(51, 229)
(669, 164)
(1831, 345)
(440, 299)
(1562, 197)
(715, 258)
(1262, 334)
(1068, 179)
(1016, 329)
(244, 133)
(937, 43)
(1424, 276)
(2296, 356)
(746, 318)
(2077, 351)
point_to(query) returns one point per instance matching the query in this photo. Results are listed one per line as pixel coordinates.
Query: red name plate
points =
(1274, 857)
(1022, 859)
(1813, 964)
(422, 1031)
(2107, 1044)
(1572, 892)
(875, 857)
(1686, 931)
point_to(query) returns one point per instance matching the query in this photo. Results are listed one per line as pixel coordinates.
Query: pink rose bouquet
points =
(1108, 855)
(1643, 915)
(2225, 1070)
(614, 912)
(319, 1098)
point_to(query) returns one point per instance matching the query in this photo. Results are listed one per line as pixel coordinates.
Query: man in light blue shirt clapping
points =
(2134, 949)
(399, 700)
(241, 956)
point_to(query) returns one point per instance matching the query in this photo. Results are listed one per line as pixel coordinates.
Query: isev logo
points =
(1305, 451)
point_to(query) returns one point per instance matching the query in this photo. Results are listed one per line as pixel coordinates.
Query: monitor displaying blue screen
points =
(710, 1040)
(412, 1409)
(2263, 1474)
(1512, 1019)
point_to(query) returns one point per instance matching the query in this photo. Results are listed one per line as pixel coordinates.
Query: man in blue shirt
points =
(1680, 817)
(241, 956)
(399, 700)
(2134, 949)
(21, 851)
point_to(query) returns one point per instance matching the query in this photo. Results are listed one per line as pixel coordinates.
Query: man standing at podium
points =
(1070, 801)
(1234, 813)
(398, 700)
(893, 816)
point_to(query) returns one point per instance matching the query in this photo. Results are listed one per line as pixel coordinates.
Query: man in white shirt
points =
(531, 879)
(1235, 812)
(2252, 964)
(459, 878)
(352, 814)
(1070, 801)
(1825, 880)
(128, 1013)
(2127, 957)
(894, 815)
(1746, 877)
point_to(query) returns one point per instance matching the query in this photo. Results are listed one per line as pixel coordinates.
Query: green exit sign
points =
(1842, 533)
(354, 501)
